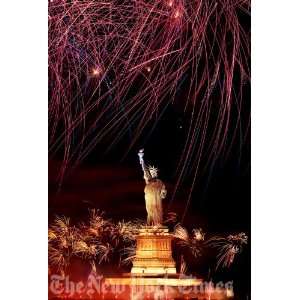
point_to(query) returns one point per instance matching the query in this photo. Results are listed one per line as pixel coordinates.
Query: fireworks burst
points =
(85, 250)
(107, 241)
(96, 240)
(228, 248)
(198, 234)
(114, 67)
(97, 224)
(193, 243)
(61, 238)
(129, 230)
(181, 233)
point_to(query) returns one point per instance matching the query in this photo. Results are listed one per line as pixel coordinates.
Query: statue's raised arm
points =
(147, 174)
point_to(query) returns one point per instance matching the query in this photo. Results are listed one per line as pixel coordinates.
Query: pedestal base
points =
(171, 281)
(162, 288)
(154, 252)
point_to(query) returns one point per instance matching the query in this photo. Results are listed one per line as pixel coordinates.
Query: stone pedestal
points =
(153, 252)
(153, 275)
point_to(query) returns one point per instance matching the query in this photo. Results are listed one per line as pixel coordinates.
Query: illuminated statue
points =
(155, 191)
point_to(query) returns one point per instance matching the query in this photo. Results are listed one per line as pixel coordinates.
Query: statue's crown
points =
(153, 171)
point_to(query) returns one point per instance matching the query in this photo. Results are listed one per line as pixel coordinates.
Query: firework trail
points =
(228, 248)
(183, 265)
(105, 252)
(170, 219)
(114, 67)
(128, 254)
(93, 270)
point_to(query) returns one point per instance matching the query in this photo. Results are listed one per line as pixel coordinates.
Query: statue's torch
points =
(141, 155)
(141, 158)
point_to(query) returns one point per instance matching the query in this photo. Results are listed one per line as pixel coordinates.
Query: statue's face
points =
(153, 172)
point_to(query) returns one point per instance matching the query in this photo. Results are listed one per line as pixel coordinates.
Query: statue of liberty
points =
(155, 191)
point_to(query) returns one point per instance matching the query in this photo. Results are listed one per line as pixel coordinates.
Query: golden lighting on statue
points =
(155, 191)
(153, 252)
(153, 265)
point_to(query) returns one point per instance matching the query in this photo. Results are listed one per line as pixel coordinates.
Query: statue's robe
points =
(155, 191)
